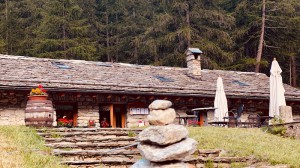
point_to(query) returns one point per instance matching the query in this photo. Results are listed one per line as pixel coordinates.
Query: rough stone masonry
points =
(164, 144)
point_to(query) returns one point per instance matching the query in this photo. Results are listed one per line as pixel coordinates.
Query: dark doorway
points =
(118, 109)
(104, 112)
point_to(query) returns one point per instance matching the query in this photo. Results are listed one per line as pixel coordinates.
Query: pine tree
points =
(17, 19)
(64, 32)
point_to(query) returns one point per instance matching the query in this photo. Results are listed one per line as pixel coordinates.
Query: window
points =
(61, 65)
(240, 83)
(164, 79)
(143, 111)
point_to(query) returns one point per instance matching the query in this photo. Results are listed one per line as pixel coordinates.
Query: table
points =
(219, 123)
(185, 118)
(204, 108)
(203, 118)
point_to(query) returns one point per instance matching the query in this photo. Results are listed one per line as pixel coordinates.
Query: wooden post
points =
(112, 116)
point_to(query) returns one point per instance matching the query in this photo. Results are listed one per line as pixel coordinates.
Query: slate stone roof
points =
(19, 72)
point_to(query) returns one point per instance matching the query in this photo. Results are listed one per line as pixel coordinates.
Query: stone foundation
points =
(12, 108)
(84, 115)
(12, 116)
(134, 119)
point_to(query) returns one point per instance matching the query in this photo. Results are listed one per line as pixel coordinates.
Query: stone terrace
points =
(88, 147)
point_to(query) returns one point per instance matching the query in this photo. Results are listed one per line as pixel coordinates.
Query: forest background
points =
(233, 34)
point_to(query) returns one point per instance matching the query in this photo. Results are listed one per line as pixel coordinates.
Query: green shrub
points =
(277, 130)
(131, 133)
(209, 164)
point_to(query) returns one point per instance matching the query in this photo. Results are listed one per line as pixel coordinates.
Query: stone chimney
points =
(193, 61)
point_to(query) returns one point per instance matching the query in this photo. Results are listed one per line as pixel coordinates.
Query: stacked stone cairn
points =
(163, 144)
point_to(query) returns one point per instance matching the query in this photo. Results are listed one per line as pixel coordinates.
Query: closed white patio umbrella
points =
(276, 90)
(220, 101)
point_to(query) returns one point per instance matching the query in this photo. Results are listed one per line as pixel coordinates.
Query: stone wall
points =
(292, 129)
(12, 116)
(12, 108)
(84, 115)
(88, 109)
(134, 119)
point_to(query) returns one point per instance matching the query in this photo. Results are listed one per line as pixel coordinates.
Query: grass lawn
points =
(249, 142)
(20, 147)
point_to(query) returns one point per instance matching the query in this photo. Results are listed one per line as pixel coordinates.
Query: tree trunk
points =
(155, 54)
(107, 39)
(261, 40)
(293, 72)
(188, 25)
(135, 54)
(7, 28)
(136, 43)
(64, 32)
(117, 40)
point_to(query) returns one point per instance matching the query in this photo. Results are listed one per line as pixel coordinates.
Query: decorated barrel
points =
(39, 112)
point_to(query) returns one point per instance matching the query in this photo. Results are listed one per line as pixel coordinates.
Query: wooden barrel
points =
(39, 113)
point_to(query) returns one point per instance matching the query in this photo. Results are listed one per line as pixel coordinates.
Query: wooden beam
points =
(112, 116)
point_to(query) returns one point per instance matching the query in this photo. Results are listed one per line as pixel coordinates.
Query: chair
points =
(234, 116)
(253, 120)
(185, 118)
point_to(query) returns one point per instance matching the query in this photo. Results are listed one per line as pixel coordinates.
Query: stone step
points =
(219, 159)
(99, 165)
(111, 160)
(89, 145)
(82, 134)
(64, 129)
(208, 152)
(129, 160)
(89, 139)
(98, 152)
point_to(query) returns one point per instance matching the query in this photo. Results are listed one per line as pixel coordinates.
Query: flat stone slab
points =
(144, 163)
(163, 135)
(178, 151)
(161, 117)
(160, 105)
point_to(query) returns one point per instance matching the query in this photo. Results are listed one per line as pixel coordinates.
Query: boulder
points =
(163, 135)
(161, 117)
(160, 105)
(178, 151)
(144, 163)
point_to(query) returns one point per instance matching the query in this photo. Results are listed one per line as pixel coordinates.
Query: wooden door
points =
(118, 115)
